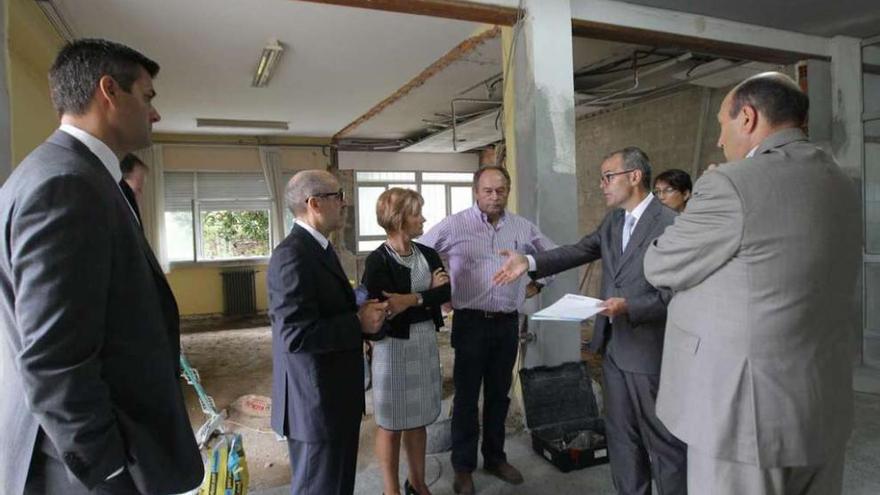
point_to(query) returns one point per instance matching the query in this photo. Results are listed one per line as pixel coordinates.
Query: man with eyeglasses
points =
(629, 332)
(317, 332)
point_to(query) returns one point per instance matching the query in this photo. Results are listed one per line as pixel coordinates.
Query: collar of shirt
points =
(640, 209)
(104, 154)
(485, 218)
(317, 235)
(96, 146)
(752, 152)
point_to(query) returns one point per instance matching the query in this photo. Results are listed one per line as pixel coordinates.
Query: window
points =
(216, 216)
(445, 193)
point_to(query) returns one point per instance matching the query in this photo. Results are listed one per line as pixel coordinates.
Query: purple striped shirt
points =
(470, 245)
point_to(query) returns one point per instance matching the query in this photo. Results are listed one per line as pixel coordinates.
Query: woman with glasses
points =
(406, 363)
(673, 188)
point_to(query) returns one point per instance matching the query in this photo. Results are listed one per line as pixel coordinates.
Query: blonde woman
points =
(406, 363)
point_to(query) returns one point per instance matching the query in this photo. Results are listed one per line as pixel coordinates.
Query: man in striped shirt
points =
(485, 327)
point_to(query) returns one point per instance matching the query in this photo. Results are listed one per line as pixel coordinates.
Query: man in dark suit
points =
(134, 177)
(317, 332)
(629, 332)
(90, 349)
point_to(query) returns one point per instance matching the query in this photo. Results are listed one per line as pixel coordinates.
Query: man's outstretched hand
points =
(514, 266)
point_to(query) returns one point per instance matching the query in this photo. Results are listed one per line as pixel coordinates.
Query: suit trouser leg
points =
(485, 351)
(469, 344)
(709, 475)
(667, 454)
(497, 377)
(630, 465)
(323, 468)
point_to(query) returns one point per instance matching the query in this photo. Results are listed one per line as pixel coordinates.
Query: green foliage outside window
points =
(235, 234)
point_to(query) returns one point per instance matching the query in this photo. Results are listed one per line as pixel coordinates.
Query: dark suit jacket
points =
(90, 346)
(318, 369)
(383, 273)
(132, 199)
(637, 345)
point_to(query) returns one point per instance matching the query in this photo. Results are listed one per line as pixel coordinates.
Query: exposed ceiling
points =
(339, 61)
(377, 75)
(857, 18)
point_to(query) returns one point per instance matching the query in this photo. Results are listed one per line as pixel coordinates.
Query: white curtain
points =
(153, 207)
(270, 160)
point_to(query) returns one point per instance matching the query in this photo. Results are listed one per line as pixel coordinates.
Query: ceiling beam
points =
(459, 51)
(449, 9)
(620, 21)
(637, 36)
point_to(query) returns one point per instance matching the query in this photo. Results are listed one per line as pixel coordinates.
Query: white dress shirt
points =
(104, 154)
(639, 210)
(317, 235)
(752, 152)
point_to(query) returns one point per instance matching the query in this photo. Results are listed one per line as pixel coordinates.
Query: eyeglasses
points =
(607, 177)
(663, 192)
(340, 193)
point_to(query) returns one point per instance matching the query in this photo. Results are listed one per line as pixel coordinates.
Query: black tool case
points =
(563, 417)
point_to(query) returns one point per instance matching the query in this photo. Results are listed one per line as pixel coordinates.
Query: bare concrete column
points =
(5, 118)
(545, 155)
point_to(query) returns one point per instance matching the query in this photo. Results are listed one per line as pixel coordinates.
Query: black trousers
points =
(639, 446)
(323, 468)
(485, 350)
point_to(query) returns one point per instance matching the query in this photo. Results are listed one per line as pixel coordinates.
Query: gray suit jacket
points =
(89, 327)
(638, 336)
(763, 262)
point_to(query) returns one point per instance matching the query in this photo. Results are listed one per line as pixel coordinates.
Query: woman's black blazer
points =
(383, 273)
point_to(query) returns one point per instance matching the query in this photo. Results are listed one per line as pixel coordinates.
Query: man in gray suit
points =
(91, 400)
(757, 376)
(630, 330)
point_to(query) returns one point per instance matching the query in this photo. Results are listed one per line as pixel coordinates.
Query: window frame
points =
(195, 211)
(418, 182)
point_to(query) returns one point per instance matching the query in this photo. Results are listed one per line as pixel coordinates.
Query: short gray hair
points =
(634, 159)
(303, 186)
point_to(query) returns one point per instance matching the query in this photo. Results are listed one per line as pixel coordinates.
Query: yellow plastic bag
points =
(226, 471)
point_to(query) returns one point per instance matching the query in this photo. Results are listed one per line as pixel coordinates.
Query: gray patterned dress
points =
(406, 372)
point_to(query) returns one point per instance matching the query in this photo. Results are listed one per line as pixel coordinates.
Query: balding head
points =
(756, 108)
(306, 184)
(773, 94)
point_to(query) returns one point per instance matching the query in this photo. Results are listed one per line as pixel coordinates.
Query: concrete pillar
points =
(545, 155)
(848, 146)
(847, 135)
(5, 126)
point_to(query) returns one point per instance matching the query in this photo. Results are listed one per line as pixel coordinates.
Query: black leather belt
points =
(487, 315)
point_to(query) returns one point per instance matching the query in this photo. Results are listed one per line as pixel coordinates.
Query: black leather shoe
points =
(507, 473)
(463, 484)
(408, 489)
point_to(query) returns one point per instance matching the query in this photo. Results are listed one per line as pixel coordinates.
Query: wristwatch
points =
(419, 299)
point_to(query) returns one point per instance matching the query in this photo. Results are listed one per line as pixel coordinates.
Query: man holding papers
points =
(629, 331)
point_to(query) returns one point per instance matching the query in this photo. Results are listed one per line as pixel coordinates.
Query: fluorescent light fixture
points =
(241, 123)
(268, 61)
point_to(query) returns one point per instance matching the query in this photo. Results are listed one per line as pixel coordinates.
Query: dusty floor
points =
(235, 366)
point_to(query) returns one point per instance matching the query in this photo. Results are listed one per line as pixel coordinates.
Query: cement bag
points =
(226, 471)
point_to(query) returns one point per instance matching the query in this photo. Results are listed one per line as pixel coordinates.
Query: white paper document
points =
(570, 307)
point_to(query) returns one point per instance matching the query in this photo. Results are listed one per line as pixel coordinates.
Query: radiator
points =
(239, 292)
